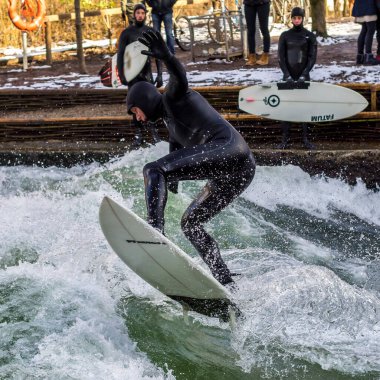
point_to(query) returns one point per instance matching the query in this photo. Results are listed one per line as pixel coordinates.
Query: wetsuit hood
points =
(137, 7)
(297, 11)
(145, 96)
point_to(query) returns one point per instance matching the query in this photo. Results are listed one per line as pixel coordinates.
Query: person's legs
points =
(250, 16)
(361, 38)
(157, 21)
(369, 59)
(263, 16)
(168, 24)
(305, 140)
(371, 29)
(214, 197)
(228, 178)
(285, 126)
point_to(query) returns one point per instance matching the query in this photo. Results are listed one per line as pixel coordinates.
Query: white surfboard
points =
(134, 61)
(320, 102)
(161, 263)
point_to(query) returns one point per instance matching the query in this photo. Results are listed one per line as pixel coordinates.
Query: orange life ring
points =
(20, 22)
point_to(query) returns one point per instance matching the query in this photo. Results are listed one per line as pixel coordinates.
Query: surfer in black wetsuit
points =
(297, 53)
(127, 36)
(202, 146)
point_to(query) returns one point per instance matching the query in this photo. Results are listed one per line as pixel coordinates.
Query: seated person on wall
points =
(202, 146)
(129, 35)
(297, 53)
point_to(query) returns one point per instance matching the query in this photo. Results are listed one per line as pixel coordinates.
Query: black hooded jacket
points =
(188, 116)
(161, 7)
(297, 52)
(127, 36)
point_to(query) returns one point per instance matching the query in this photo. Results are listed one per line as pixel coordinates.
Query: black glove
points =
(159, 81)
(154, 41)
(301, 79)
(287, 78)
(173, 187)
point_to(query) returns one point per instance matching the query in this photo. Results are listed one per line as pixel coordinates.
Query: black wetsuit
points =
(203, 146)
(297, 52)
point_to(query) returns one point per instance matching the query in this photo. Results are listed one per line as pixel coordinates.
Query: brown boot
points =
(251, 60)
(264, 59)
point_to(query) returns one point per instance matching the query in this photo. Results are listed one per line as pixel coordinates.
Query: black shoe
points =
(370, 60)
(360, 59)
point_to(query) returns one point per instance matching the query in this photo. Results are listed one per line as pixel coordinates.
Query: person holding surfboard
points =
(202, 146)
(297, 53)
(128, 36)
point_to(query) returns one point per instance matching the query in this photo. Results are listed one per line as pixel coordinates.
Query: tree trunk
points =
(318, 15)
(79, 36)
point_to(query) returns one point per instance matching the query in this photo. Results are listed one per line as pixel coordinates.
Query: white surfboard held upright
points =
(134, 62)
(320, 102)
(160, 262)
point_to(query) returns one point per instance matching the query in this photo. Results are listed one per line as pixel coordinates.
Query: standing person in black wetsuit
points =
(202, 146)
(297, 53)
(129, 35)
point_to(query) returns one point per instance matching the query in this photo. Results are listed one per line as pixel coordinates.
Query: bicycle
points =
(222, 23)
(183, 32)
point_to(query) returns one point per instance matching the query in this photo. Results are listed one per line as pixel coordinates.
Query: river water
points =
(308, 250)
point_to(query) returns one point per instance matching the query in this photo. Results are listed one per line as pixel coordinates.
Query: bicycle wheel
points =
(217, 26)
(183, 33)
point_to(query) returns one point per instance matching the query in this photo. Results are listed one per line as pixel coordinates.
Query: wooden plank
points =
(71, 16)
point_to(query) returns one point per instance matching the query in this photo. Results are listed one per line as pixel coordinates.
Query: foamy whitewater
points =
(308, 249)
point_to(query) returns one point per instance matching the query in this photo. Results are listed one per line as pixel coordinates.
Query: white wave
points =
(291, 186)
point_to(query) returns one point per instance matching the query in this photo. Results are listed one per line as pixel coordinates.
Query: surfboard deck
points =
(315, 103)
(161, 263)
(134, 61)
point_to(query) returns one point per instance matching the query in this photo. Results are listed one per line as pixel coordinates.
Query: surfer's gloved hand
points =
(301, 79)
(173, 187)
(159, 81)
(154, 41)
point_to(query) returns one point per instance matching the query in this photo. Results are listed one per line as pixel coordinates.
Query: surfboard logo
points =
(272, 100)
(322, 117)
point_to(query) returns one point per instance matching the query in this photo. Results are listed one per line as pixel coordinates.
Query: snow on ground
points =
(345, 71)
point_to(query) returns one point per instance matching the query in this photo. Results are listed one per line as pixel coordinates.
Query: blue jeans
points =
(167, 18)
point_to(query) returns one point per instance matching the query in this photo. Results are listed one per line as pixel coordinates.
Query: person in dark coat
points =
(162, 12)
(297, 54)
(260, 9)
(128, 36)
(202, 146)
(366, 13)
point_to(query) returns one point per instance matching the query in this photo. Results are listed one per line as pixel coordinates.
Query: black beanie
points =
(297, 11)
(145, 96)
(139, 6)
